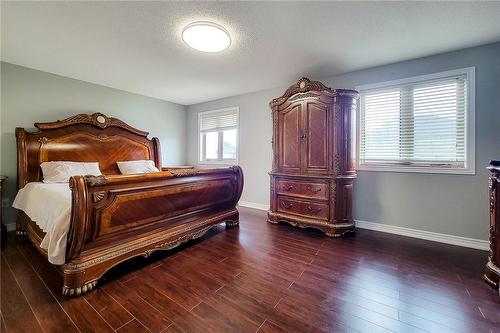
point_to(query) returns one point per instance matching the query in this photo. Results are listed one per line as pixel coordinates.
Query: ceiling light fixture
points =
(206, 37)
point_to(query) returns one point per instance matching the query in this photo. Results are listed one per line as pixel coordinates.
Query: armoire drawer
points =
(303, 189)
(304, 208)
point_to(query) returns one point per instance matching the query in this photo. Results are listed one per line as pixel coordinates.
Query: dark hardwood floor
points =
(262, 278)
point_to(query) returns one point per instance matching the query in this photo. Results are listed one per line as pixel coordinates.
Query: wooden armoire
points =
(313, 157)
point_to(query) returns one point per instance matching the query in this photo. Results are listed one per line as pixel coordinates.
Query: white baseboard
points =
(427, 235)
(415, 233)
(253, 205)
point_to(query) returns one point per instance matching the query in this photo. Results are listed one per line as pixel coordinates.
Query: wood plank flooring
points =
(262, 278)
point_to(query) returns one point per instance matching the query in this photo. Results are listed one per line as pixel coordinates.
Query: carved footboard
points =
(115, 218)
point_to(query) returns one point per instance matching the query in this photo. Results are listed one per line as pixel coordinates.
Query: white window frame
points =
(221, 161)
(470, 126)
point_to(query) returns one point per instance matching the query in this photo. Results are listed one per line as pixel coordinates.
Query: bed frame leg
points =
(230, 224)
(79, 291)
(21, 234)
(77, 282)
(20, 227)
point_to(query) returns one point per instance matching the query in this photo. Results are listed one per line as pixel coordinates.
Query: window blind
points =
(214, 121)
(419, 123)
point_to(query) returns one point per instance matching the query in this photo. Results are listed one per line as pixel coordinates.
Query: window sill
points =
(416, 169)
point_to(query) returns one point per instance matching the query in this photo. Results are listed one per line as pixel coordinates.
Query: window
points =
(219, 136)
(420, 124)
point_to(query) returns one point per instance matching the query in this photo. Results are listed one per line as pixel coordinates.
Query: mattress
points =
(49, 206)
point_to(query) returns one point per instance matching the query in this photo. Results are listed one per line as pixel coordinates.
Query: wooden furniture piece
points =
(3, 227)
(117, 217)
(313, 165)
(492, 274)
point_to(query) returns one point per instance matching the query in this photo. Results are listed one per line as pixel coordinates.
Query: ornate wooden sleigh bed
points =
(117, 217)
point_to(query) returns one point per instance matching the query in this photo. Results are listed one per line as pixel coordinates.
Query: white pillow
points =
(140, 166)
(62, 171)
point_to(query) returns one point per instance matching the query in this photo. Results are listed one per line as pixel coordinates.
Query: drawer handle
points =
(287, 205)
(313, 210)
(289, 188)
(312, 190)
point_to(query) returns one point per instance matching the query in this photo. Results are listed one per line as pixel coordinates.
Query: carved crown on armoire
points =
(313, 157)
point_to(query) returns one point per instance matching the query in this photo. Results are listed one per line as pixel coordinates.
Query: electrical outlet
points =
(6, 202)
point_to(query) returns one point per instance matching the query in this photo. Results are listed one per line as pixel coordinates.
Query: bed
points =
(115, 217)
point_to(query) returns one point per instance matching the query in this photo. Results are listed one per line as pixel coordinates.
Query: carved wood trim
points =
(331, 230)
(93, 181)
(93, 138)
(492, 185)
(302, 86)
(274, 141)
(333, 192)
(337, 160)
(79, 290)
(183, 172)
(22, 165)
(98, 196)
(176, 242)
(309, 88)
(97, 119)
(303, 95)
(168, 236)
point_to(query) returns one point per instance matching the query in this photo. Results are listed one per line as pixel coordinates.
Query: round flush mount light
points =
(206, 37)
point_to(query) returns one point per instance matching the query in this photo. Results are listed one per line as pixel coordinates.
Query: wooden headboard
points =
(82, 138)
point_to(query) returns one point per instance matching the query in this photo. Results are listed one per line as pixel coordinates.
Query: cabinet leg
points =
(339, 232)
(333, 233)
(271, 218)
(492, 274)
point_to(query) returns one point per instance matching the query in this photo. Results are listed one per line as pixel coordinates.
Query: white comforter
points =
(49, 206)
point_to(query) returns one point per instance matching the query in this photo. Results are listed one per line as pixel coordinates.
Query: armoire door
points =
(316, 138)
(289, 139)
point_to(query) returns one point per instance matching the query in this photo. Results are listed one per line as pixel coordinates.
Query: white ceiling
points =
(136, 46)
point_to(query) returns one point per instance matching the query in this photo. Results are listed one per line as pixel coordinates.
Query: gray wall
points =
(450, 204)
(29, 96)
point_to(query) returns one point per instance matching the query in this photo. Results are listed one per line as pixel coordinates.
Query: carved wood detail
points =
(98, 196)
(93, 181)
(183, 172)
(91, 119)
(333, 192)
(302, 86)
(309, 88)
(92, 138)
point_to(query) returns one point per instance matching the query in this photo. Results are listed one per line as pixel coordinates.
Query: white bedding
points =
(49, 206)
